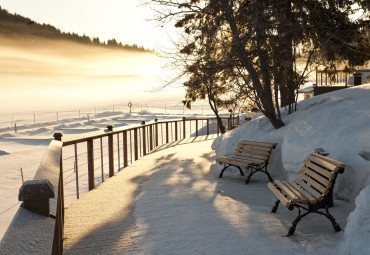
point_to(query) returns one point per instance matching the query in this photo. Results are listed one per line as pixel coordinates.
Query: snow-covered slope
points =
(339, 123)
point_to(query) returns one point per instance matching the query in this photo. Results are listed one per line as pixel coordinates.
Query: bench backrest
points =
(318, 175)
(254, 149)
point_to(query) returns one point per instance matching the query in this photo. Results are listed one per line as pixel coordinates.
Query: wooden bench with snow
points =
(252, 155)
(311, 191)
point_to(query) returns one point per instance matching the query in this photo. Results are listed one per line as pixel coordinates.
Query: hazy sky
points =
(125, 20)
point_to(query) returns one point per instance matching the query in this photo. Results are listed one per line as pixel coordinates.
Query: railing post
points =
(176, 136)
(125, 154)
(57, 248)
(196, 128)
(207, 126)
(144, 137)
(136, 149)
(90, 163)
(58, 136)
(156, 132)
(151, 136)
(184, 126)
(110, 151)
(167, 139)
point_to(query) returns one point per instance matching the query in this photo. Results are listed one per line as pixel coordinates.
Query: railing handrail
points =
(102, 133)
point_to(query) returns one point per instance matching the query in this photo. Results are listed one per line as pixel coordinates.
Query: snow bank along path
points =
(338, 122)
(172, 202)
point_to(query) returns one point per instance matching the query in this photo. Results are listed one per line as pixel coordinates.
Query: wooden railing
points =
(117, 148)
(327, 77)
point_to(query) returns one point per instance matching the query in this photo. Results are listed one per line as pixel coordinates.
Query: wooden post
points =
(167, 139)
(151, 137)
(184, 126)
(110, 155)
(196, 128)
(207, 126)
(90, 163)
(125, 153)
(136, 145)
(144, 137)
(176, 131)
(156, 132)
(101, 159)
(118, 154)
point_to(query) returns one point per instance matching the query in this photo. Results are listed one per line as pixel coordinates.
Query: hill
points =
(17, 26)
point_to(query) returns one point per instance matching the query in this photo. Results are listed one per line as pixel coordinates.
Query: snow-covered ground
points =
(339, 123)
(25, 149)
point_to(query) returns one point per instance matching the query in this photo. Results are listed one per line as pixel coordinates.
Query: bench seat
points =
(311, 190)
(250, 155)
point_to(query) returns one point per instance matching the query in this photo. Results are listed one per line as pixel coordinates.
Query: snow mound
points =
(357, 232)
(338, 122)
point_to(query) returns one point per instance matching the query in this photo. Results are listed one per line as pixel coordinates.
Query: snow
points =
(25, 149)
(358, 227)
(337, 122)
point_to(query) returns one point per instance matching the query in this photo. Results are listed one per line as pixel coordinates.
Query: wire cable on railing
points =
(10, 208)
(69, 169)
(70, 175)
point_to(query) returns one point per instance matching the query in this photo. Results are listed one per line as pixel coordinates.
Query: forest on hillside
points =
(17, 26)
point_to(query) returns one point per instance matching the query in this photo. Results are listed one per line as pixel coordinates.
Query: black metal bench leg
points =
(295, 222)
(249, 176)
(269, 176)
(274, 209)
(240, 170)
(332, 219)
(222, 171)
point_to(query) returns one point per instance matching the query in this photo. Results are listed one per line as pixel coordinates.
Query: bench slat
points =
(313, 183)
(302, 198)
(255, 147)
(233, 162)
(310, 190)
(287, 191)
(264, 153)
(251, 161)
(318, 178)
(330, 160)
(309, 197)
(319, 169)
(269, 144)
(251, 155)
(279, 195)
(323, 163)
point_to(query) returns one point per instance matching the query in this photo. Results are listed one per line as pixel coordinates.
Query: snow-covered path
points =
(172, 202)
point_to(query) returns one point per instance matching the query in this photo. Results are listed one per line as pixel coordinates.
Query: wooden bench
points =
(252, 155)
(311, 191)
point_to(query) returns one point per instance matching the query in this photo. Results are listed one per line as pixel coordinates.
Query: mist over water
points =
(59, 75)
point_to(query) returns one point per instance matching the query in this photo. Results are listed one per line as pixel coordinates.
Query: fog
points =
(59, 75)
